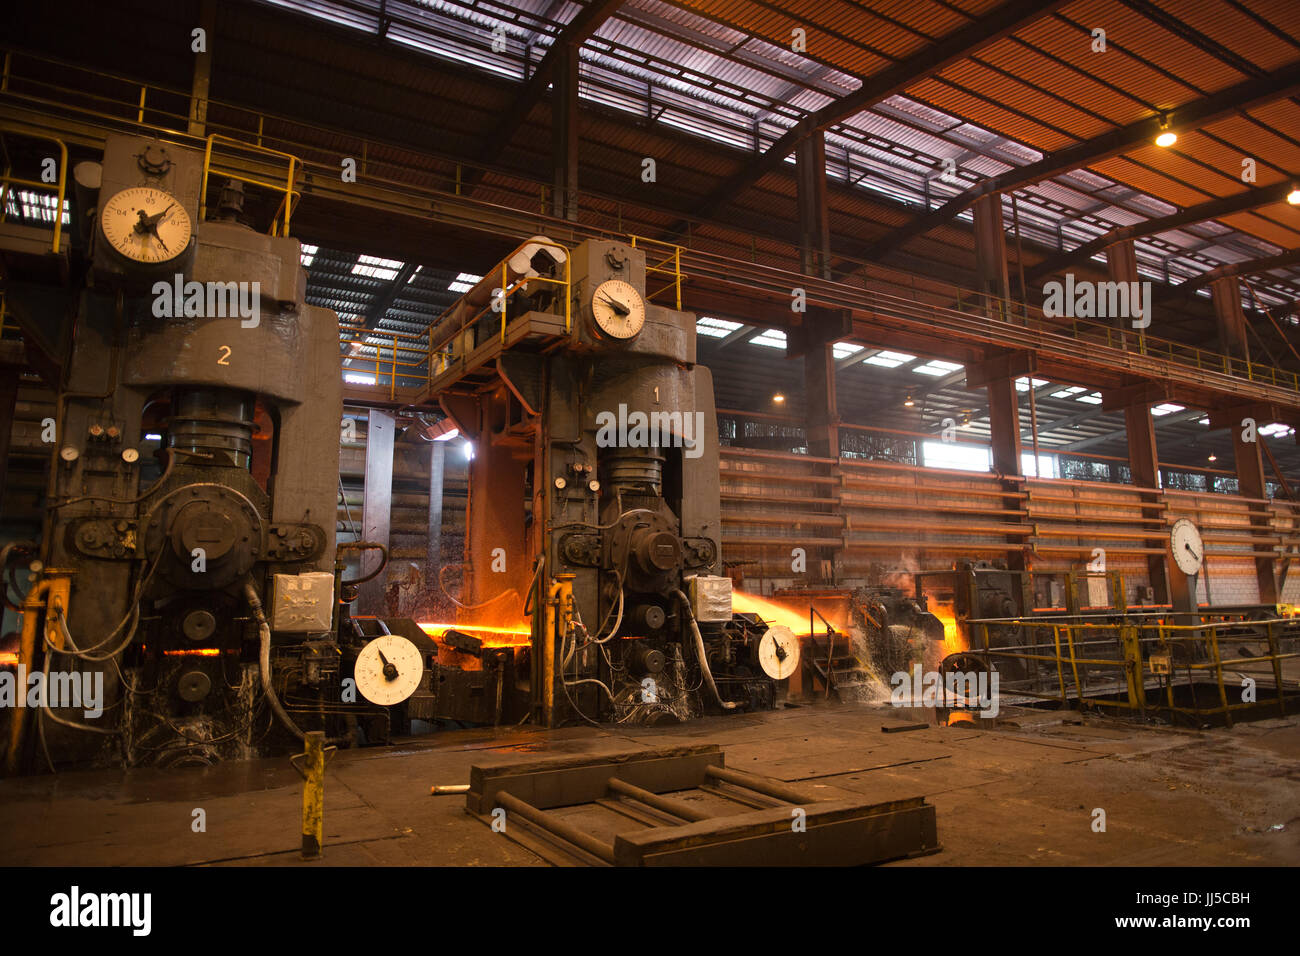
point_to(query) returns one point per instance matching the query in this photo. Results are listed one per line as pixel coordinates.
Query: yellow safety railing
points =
(407, 354)
(290, 195)
(670, 265)
(508, 290)
(60, 186)
(1145, 648)
(440, 334)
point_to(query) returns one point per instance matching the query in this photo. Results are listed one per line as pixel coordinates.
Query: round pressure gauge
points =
(388, 670)
(146, 225)
(618, 308)
(778, 652)
(1188, 550)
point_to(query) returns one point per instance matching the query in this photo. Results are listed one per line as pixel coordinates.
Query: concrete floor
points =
(1021, 793)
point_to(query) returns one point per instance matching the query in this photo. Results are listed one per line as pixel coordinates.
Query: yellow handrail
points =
(61, 185)
(290, 195)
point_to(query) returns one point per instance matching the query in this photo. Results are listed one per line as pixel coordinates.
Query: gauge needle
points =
(390, 671)
(1193, 553)
(618, 307)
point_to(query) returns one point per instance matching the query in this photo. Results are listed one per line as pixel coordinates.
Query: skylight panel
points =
(935, 368)
(888, 359)
(372, 267)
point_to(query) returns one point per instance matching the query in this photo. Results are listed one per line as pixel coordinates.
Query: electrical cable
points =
(45, 706)
(532, 585)
(347, 508)
(700, 652)
(171, 461)
(264, 659)
(470, 607)
(366, 546)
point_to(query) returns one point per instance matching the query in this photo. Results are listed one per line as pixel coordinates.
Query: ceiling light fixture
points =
(1293, 197)
(1167, 137)
(1213, 457)
(778, 398)
(908, 403)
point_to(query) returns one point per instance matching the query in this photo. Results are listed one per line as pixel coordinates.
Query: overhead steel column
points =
(376, 513)
(821, 409)
(1169, 585)
(203, 70)
(564, 134)
(1229, 316)
(991, 253)
(814, 224)
(1251, 484)
(992, 278)
(433, 552)
(1231, 321)
(1004, 436)
(8, 406)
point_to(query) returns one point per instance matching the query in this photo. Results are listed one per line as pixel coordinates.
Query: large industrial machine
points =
(593, 493)
(187, 564)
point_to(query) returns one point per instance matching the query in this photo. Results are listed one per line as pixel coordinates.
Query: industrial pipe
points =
(264, 660)
(700, 653)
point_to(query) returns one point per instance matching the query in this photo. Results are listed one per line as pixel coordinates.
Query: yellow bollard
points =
(313, 792)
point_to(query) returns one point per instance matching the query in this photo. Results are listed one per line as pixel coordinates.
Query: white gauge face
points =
(388, 670)
(1185, 541)
(778, 652)
(618, 308)
(146, 225)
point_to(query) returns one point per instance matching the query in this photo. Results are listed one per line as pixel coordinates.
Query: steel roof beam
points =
(1214, 209)
(1234, 99)
(575, 33)
(895, 79)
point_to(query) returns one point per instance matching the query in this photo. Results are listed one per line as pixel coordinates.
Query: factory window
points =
(1022, 384)
(1068, 392)
(843, 350)
(463, 283)
(1166, 409)
(771, 338)
(1276, 431)
(936, 368)
(35, 207)
(715, 328)
(888, 359)
(943, 454)
(308, 255)
(1046, 466)
(375, 268)
(1092, 398)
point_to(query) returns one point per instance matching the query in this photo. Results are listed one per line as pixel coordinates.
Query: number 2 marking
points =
(225, 354)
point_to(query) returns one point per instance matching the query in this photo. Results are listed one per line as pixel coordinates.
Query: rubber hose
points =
(699, 652)
(264, 661)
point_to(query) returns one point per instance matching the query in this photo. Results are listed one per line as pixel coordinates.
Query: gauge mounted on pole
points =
(1185, 542)
(388, 670)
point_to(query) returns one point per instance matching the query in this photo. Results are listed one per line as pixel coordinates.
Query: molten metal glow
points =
(194, 652)
(8, 660)
(952, 640)
(770, 611)
(491, 636)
